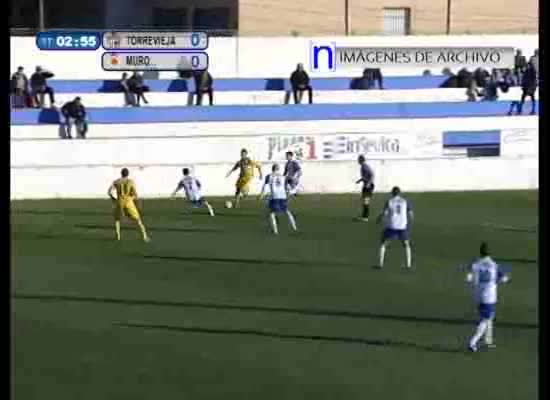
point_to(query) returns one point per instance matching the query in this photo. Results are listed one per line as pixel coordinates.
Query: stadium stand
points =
(110, 115)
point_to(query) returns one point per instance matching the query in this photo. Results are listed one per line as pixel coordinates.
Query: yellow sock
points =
(117, 230)
(143, 231)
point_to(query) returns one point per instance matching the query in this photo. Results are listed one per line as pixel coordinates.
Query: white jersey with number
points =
(485, 278)
(277, 186)
(397, 213)
(192, 188)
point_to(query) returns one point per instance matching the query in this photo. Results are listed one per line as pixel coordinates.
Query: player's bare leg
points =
(143, 230)
(238, 196)
(408, 253)
(273, 221)
(489, 334)
(210, 208)
(382, 254)
(117, 229)
(291, 220)
(366, 209)
(480, 331)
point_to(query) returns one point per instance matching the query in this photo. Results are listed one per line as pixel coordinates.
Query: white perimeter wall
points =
(255, 57)
(404, 153)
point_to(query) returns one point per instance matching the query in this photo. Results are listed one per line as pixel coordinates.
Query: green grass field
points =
(217, 308)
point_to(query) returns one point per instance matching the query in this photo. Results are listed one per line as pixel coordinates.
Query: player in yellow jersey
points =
(124, 202)
(246, 168)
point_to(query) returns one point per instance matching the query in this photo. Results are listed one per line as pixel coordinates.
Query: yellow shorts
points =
(243, 185)
(128, 209)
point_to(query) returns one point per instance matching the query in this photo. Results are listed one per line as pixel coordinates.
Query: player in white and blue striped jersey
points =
(485, 275)
(292, 173)
(278, 189)
(193, 192)
(397, 216)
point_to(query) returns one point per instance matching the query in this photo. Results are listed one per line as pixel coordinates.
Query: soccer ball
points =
(228, 204)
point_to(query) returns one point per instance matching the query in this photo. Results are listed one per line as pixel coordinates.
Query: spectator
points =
(472, 92)
(138, 88)
(534, 60)
(451, 82)
(299, 80)
(374, 74)
(481, 75)
(203, 84)
(74, 112)
(39, 87)
(528, 87)
(490, 89)
(447, 72)
(129, 97)
(370, 75)
(362, 83)
(20, 88)
(520, 64)
(508, 77)
(503, 81)
(464, 78)
(426, 72)
(185, 74)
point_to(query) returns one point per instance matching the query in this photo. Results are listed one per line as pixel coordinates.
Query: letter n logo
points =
(322, 56)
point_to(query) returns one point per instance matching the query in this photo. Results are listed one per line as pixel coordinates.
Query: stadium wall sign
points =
(419, 175)
(341, 146)
(205, 150)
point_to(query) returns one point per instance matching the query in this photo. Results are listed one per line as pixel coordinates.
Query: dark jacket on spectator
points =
(185, 74)
(38, 79)
(71, 109)
(480, 75)
(299, 78)
(136, 82)
(451, 82)
(124, 83)
(203, 80)
(490, 90)
(463, 78)
(529, 78)
(534, 60)
(520, 62)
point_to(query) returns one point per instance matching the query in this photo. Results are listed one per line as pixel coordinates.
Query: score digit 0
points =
(195, 39)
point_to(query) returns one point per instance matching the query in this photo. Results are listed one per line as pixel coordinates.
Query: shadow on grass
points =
(51, 236)
(518, 260)
(149, 228)
(284, 336)
(228, 260)
(508, 228)
(65, 213)
(267, 309)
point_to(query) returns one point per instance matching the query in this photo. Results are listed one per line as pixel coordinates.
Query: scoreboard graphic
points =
(135, 50)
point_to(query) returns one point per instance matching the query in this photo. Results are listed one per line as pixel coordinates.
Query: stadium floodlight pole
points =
(448, 17)
(346, 17)
(41, 24)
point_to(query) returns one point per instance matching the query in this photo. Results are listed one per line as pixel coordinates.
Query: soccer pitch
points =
(218, 308)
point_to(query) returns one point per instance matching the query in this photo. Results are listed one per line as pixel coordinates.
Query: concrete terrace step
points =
(170, 99)
(271, 113)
